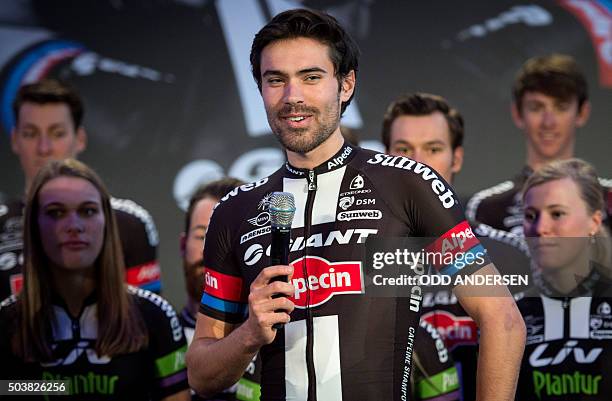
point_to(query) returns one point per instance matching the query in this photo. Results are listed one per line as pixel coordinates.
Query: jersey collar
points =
(340, 159)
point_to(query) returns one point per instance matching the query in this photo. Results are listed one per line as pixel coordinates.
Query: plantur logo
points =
(325, 280)
(455, 330)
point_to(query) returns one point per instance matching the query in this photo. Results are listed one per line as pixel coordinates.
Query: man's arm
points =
(220, 351)
(502, 337)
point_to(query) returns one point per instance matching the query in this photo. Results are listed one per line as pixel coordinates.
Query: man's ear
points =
(583, 114)
(457, 159)
(517, 117)
(348, 86)
(80, 141)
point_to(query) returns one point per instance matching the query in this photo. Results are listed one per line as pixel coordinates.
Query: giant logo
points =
(324, 280)
(456, 331)
(445, 195)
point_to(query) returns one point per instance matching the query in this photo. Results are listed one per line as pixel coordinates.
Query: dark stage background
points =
(170, 101)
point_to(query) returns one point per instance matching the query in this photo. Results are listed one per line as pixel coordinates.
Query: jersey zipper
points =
(312, 379)
(565, 304)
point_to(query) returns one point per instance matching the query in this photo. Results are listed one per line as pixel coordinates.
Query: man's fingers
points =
(268, 320)
(270, 272)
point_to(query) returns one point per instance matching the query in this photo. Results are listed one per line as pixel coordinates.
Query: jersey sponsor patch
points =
(16, 283)
(224, 294)
(600, 322)
(260, 220)
(143, 275)
(455, 330)
(357, 182)
(254, 234)
(325, 279)
(371, 214)
(459, 240)
(223, 286)
(253, 254)
(445, 195)
(243, 188)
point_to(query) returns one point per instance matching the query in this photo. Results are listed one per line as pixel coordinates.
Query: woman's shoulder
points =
(150, 302)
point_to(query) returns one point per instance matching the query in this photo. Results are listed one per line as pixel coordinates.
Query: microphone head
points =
(282, 209)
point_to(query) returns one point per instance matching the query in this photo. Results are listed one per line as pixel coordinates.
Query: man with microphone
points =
(336, 343)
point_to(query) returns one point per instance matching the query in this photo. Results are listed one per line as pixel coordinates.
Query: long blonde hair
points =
(121, 328)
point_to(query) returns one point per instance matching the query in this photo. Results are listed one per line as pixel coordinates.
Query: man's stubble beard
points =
(304, 140)
(194, 288)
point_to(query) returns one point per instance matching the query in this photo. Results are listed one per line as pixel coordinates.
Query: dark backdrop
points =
(170, 101)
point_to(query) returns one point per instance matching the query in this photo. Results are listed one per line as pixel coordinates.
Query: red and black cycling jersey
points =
(340, 343)
(460, 332)
(153, 373)
(501, 206)
(139, 240)
(568, 354)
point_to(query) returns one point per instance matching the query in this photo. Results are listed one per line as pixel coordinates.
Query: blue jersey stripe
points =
(224, 306)
(453, 269)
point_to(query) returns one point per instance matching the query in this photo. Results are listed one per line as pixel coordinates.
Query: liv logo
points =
(537, 358)
(75, 353)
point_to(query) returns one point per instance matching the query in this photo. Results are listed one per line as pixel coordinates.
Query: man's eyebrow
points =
(311, 70)
(435, 142)
(300, 72)
(273, 72)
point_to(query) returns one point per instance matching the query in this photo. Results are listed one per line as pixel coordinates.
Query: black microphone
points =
(282, 209)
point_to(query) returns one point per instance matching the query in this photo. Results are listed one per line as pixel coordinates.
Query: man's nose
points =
(294, 93)
(549, 119)
(44, 145)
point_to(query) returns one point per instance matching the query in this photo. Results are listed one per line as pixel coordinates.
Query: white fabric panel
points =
(327, 358)
(553, 318)
(299, 189)
(580, 311)
(326, 201)
(296, 374)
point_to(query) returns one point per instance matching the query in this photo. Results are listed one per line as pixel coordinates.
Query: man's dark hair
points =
(555, 75)
(50, 91)
(423, 104)
(215, 190)
(291, 24)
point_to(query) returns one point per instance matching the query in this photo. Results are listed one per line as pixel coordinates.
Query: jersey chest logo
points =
(455, 330)
(324, 280)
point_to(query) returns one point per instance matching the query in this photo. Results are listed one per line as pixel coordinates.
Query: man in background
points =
(550, 102)
(426, 128)
(49, 126)
(198, 214)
